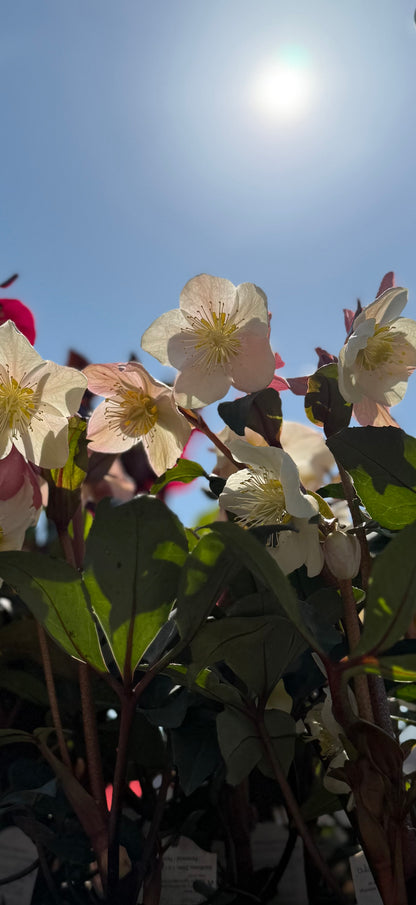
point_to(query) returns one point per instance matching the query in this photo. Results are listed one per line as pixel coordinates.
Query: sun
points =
(283, 89)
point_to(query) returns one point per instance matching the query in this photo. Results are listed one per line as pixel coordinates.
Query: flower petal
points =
(204, 292)
(102, 438)
(253, 368)
(252, 303)
(156, 338)
(194, 388)
(46, 444)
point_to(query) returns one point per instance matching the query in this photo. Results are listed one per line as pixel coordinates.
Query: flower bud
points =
(342, 554)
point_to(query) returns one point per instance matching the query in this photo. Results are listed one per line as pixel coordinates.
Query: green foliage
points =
(324, 404)
(133, 563)
(382, 464)
(241, 745)
(391, 600)
(55, 594)
(261, 412)
(65, 483)
(184, 471)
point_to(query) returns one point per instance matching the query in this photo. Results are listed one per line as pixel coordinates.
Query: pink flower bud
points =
(342, 554)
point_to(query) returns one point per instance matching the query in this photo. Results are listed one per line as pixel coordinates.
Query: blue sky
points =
(134, 157)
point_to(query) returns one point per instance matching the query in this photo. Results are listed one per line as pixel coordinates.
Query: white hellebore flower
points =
(268, 493)
(36, 399)
(136, 408)
(379, 356)
(218, 337)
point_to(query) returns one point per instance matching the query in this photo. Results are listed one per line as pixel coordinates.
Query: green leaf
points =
(261, 412)
(250, 553)
(242, 748)
(332, 491)
(324, 404)
(382, 464)
(391, 599)
(204, 576)
(134, 558)
(258, 649)
(184, 471)
(24, 685)
(206, 682)
(65, 483)
(55, 595)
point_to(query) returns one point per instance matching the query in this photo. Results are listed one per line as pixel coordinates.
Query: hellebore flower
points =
(305, 445)
(268, 493)
(36, 398)
(380, 354)
(137, 408)
(219, 337)
(342, 554)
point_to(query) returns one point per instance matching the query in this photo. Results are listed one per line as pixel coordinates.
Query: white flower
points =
(137, 408)
(268, 493)
(380, 354)
(218, 337)
(36, 399)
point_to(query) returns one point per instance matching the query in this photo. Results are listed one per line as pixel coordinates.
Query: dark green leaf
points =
(184, 471)
(54, 593)
(382, 464)
(324, 404)
(134, 559)
(250, 553)
(391, 600)
(195, 748)
(261, 412)
(203, 578)
(242, 748)
(258, 649)
(332, 491)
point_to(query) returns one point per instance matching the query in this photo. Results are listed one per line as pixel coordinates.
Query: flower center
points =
(132, 413)
(17, 405)
(265, 501)
(379, 349)
(212, 336)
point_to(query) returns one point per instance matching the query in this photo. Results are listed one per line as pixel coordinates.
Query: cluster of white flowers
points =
(218, 338)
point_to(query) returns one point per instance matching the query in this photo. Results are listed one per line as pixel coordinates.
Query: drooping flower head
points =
(137, 408)
(268, 493)
(36, 399)
(380, 354)
(20, 500)
(218, 337)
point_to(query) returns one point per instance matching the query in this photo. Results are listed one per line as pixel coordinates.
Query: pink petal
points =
(388, 282)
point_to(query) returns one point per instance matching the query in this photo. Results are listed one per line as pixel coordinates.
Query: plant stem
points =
(294, 808)
(154, 828)
(89, 720)
(353, 632)
(128, 708)
(197, 421)
(53, 700)
(352, 500)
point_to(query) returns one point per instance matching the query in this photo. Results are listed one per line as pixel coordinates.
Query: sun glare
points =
(283, 89)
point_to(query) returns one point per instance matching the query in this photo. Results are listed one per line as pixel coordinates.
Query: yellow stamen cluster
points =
(380, 349)
(17, 405)
(132, 412)
(212, 336)
(265, 501)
